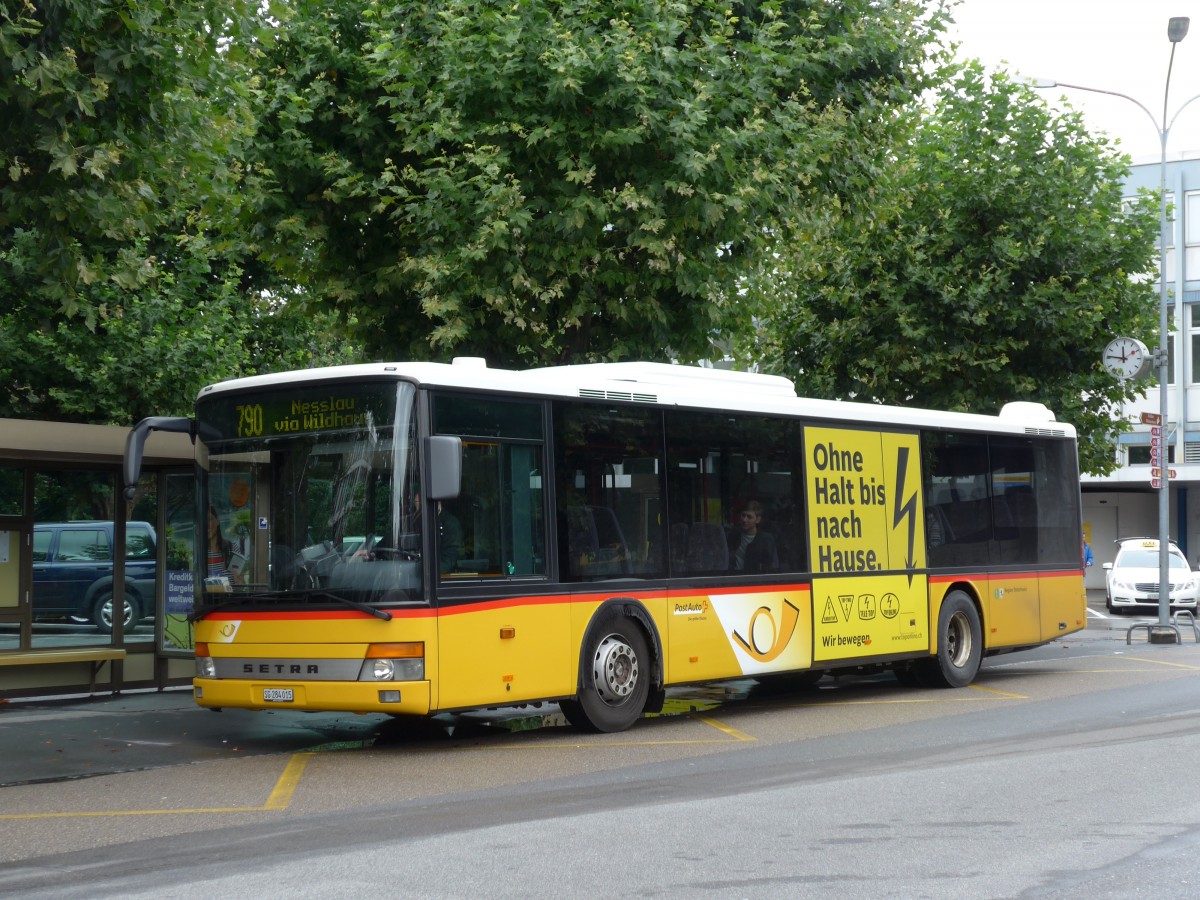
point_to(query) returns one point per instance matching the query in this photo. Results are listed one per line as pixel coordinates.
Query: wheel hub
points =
(615, 669)
(958, 640)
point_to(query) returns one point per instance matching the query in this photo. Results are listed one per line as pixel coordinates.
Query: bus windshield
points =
(311, 493)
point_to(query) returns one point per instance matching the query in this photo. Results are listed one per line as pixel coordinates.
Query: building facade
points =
(1124, 504)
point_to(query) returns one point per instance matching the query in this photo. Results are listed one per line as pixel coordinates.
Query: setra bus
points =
(437, 537)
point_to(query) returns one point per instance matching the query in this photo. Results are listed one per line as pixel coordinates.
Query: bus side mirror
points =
(444, 454)
(135, 446)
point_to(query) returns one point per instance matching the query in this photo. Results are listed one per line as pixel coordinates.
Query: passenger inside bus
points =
(751, 549)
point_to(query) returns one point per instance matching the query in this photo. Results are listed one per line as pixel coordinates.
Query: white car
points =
(1131, 580)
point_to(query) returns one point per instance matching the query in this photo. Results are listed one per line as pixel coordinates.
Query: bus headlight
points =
(383, 670)
(205, 667)
(394, 662)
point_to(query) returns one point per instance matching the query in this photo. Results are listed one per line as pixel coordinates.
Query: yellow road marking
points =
(280, 797)
(288, 782)
(729, 730)
(1161, 662)
(1009, 694)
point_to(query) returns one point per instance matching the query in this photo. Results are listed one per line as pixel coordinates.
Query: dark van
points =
(73, 572)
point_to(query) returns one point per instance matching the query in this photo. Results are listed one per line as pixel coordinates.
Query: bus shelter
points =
(86, 576)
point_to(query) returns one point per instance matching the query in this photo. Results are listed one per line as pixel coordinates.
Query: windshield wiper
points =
(353, 604)
(317, 594)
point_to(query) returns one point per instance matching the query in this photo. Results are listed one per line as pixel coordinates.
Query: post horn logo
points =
(781, 634)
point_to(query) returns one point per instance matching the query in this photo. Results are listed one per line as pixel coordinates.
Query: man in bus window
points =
(753, 550)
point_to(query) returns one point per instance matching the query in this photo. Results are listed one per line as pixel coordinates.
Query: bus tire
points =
(615, 674)
(960, 644)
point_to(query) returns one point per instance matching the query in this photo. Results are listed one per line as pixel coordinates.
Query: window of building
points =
(1191, 235)
(12, 491)
(1139, 454)
(1192, 317)
(1171, 359)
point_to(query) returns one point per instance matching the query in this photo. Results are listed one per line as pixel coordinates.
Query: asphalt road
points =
(1062, 772)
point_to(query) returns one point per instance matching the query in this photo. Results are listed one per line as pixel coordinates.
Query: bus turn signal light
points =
(412, 650)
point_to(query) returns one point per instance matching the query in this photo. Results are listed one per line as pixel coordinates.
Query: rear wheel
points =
(960, 644)
(104, 611)
(616, 678)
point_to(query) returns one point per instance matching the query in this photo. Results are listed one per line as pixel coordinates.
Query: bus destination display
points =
(276, 413)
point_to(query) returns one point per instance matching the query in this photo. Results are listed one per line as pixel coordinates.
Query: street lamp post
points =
(1177, 29)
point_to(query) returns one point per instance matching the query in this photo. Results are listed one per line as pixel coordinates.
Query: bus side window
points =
(608, 487)
(958, 505)
(736, 499)
(501, 508)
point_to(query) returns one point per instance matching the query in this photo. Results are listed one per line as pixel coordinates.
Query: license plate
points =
(278, 695)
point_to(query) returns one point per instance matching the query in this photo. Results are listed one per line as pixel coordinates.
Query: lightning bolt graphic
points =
(907, 509)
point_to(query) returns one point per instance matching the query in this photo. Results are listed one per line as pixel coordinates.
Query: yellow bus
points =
(423, 538)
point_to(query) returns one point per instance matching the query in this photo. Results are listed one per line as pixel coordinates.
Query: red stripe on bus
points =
(982, 576)
(314, 615)
(599, 596)
(501, 603)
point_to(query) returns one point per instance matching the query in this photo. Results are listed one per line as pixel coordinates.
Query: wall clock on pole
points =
(1125, 358)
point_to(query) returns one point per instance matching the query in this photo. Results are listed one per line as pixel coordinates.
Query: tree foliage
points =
(123, 282)
(564, 180)
(152, 349)
(117, 115)
(993, 264)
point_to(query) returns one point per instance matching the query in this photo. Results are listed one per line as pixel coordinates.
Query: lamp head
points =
(1177, 28)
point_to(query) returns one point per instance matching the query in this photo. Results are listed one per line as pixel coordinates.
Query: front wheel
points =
(960, 644)
(103, 612)
(616, 678)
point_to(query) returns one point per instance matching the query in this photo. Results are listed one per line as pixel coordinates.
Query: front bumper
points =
(1139, 599)
(323, 696)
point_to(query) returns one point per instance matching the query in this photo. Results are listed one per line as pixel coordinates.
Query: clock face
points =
(1125, 358)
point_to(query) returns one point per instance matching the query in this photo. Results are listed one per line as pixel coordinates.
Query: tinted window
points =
(83, 545)
(138, 542)
(734, 506)
(496, 526)
(1005, 500)
(609, 486)
(958, 517)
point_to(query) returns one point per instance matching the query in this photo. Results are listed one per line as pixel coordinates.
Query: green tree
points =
(152, 349)
(117, 115)
(124, 281)
(994, 263)
(564, 180)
